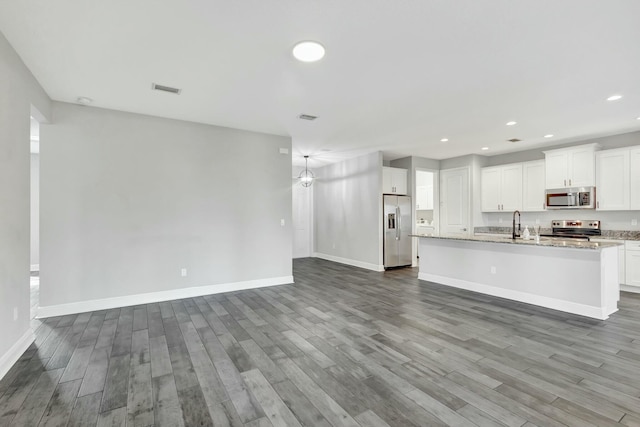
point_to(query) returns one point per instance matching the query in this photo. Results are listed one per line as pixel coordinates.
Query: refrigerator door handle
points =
(399, 222)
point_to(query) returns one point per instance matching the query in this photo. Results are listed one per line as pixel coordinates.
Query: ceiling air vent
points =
(169, 89)
(514, 140)
(307, 117)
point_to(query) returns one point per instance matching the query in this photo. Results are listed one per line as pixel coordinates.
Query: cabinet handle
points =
(569, 182)
(598, 204)
(565, 182)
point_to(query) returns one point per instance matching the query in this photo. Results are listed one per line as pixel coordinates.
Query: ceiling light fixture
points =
(614, 97)
(484, 148)
(444, 140)
(511, 123)
(83, 100)
(549, 135)
(306, 176)
(308, 51)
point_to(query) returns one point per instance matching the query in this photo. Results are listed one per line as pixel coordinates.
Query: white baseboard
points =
(555, 304)
(8, 359)
(35, 267)
(348, 261)
(129, 300)
(630, 288)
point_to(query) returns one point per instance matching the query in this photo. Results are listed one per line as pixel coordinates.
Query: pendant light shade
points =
(306, 176)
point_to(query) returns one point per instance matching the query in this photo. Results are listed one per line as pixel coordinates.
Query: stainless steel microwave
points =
(571, 198)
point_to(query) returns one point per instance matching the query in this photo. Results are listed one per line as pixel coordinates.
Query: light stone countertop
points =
(551, 242)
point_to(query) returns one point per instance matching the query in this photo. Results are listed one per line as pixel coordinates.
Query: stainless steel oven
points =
(571, 198)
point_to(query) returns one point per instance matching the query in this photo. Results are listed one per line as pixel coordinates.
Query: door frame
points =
(436, 207)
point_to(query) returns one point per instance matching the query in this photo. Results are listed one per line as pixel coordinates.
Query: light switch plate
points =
(284, 151)
(282, 222)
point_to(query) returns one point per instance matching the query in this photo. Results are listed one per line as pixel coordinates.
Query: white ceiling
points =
(398, 75)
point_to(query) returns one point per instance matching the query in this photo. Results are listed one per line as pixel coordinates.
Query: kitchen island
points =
(573, 276)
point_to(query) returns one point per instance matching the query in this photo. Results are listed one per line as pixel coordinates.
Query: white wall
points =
(35, 211)
(129, 200)
(348, 211)
(19, 93)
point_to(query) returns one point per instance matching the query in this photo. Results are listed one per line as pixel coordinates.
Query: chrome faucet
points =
(513, 226)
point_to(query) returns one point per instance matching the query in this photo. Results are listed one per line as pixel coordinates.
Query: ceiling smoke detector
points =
(307, 117)
(163, 88)
(514, 140)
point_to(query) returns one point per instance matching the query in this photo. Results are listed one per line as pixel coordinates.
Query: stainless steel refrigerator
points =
(397, 227)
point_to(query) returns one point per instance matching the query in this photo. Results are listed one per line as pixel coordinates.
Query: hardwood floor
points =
(341, 347)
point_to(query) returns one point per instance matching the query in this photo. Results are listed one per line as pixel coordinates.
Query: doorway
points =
(34, 208)
(427, 210)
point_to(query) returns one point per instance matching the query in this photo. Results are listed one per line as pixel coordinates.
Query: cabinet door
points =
(556, 170)
(621, 265)
(634, 184)
(490, 189)
(632, 267)
(533, 181)
(399, 180)
(429, 202)
(612, 188)
(582, 168)
(511, 188)
(387, 180)
(421, 197)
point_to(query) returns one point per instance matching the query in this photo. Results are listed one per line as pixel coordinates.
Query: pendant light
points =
(306, 176)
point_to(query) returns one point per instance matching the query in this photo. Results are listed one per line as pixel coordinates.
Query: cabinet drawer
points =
(632, 245)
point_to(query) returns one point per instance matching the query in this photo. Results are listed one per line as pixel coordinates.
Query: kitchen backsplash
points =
(609, 220)
(426, 215)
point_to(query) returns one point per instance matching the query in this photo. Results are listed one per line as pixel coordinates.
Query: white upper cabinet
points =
(571, 167)
(634, 182)
(501, 188)
(424, 197)
(612, 188)
(533, 186)
(394, 180)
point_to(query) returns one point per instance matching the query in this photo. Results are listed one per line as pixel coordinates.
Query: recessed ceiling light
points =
(444, 140)
(638, 118)
(484, 148)
(549, 135)
(308, 51)
(614, 97)
(83, 100)
(512, 123)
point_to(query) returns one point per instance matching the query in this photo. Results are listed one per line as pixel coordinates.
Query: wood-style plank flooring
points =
(341, 347)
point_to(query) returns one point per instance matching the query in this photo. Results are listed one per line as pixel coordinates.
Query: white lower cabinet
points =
(632, 263)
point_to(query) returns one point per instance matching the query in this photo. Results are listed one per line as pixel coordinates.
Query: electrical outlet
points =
(183, 272)
(334, 245)
(282, 222)
(493, 269)
(537, 221)
(15, 313)
(634, 222)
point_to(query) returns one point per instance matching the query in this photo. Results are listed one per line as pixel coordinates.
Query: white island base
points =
(581, 280)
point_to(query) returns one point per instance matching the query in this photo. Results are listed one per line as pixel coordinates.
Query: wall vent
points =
(307, 117)
(514, 140)
(169, 89)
